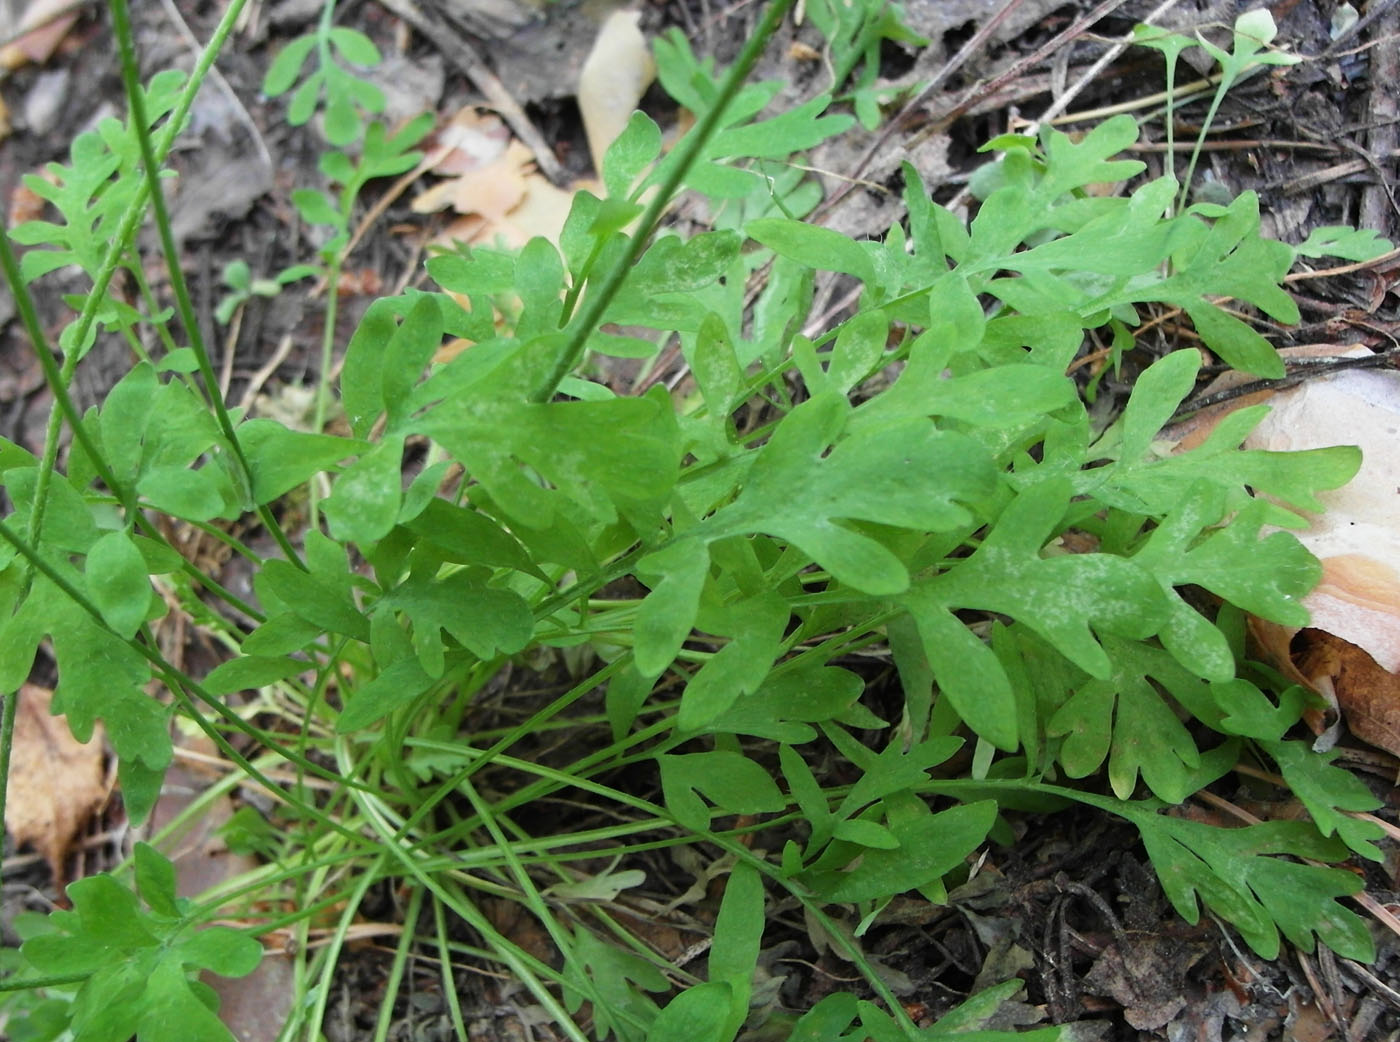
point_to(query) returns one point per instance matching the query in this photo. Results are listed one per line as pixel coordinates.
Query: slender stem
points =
(395, 980)
(121, 22)
(690, 148)
(116, 249)
(58, 382)
(179, 682)
(25, 983)
(449, 986)
(322, 402)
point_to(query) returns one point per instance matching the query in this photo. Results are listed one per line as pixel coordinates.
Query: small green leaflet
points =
(1123, 717)
(365, 502)
(698, 1014)
(1063, 598)
(118, 582)
(606, 457)
(394, 688)
(733, 782)
(281, 458)
(738, 934)
(807, 243)
(928, 847)
(1331, 794)
(907, 474)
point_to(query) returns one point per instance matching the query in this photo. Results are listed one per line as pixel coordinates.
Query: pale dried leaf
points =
(613, 79)
(1351, 653)
(56, 783)
(542, 211)
(37, 32)
(1356, 538)
(491, 190)
(471, 139)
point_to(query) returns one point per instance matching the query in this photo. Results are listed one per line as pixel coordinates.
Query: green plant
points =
(238, 277)
(344, 94)
(854, 34)
(705, 568)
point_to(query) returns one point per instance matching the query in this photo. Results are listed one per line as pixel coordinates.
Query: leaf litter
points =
(56, 783)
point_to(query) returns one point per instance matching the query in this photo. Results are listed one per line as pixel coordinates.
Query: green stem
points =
(26, 983)
(392, 985)
(131, 76)
(58, 382)
(689, 151)
(449, 986)
(322, 403)
(126, 229)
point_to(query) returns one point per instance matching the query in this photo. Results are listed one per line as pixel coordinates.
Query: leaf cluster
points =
(922, 482)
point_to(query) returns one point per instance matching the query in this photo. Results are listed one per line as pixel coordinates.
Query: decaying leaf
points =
(494, 186)
(1356, 607)
(56, 783)
(613, 79)
(489, 189)
(1368, 696)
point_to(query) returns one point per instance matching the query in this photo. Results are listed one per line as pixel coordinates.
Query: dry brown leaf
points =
(506, 202)
(613, 79)
(253, 1007)
(542, 211)
(56, 782)
(1368, 696)
(27, 205)
(360, 282)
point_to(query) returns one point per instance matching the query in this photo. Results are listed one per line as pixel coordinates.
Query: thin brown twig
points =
(1299, 371)
(457, 49)
(1078, 28)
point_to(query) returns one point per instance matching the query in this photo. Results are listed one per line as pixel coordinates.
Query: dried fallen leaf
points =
(471, 139)
(360, 282)
(613, 79)
(56, 782)
(504, 202)
(1368, 695)
(1356, 539)
(253, 1007)
(490, 190)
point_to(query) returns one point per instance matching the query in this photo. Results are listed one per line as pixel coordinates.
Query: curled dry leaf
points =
(1357, 603)
(56, 782)
(613, 79)
(1349, 678)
